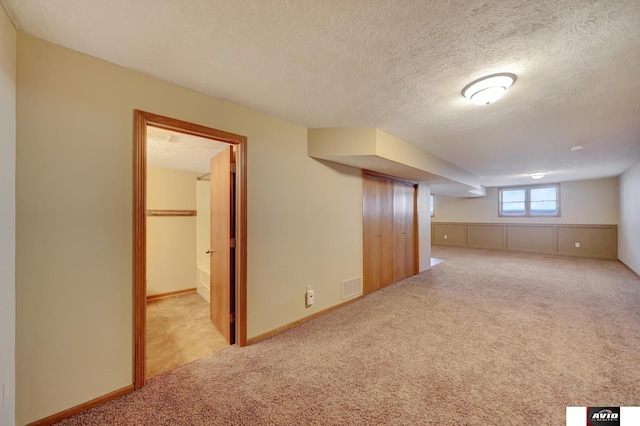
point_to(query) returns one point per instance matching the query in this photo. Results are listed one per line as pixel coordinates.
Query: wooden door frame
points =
(141, 120)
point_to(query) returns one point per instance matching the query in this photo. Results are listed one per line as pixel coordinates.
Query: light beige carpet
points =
(485, 337)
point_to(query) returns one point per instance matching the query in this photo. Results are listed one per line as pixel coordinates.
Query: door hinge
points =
(232, 318)
(233, 167)
(232, 242)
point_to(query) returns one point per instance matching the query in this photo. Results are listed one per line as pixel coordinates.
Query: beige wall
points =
(581, 202)
(203, 222)
(629, 241)
(363, 147)
(171, 240)
(402, 152)
(597, 241)
(376, 150)
(74, 226)
(7, 217)
(424, 227)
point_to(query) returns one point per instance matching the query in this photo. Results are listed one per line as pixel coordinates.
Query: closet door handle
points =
(210, 251)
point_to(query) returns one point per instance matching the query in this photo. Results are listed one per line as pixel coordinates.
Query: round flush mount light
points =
(537, 175)
(488, 89)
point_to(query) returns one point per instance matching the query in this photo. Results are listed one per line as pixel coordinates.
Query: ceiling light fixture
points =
(576, 148)
(537, 175)
(488, 89)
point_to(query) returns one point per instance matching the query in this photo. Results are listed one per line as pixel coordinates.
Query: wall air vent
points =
(351, 288)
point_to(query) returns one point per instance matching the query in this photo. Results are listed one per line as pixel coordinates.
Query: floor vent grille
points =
(351, 288)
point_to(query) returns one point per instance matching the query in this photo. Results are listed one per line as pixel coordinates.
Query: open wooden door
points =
(222, 249)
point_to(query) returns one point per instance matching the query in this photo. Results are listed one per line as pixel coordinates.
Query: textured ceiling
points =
(173, 150)
(398, 65)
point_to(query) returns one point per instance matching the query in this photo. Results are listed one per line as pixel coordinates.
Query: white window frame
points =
(527, 200)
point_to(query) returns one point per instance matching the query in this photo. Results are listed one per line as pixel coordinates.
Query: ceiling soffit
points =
(379, 151)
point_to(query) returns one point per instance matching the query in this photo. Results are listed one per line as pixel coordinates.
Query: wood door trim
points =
(70, 412)
(141, 120)
(302, 320)
(171, 293)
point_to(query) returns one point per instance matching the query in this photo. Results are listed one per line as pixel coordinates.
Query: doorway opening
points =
(228, 241)
(178, 325)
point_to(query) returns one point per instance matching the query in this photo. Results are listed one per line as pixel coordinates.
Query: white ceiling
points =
(172, 150)
(398, 65)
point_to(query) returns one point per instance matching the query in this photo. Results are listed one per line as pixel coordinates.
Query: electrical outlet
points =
(310, 297)
(445, 237)
(577, 244)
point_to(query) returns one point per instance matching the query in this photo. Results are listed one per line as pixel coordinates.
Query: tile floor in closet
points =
(179, 331)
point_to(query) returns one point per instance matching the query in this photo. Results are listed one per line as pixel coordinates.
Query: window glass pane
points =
(511, 195)
(544, 194)
(530, 201)
(513, 208)
(431, 201)
(543, 207)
